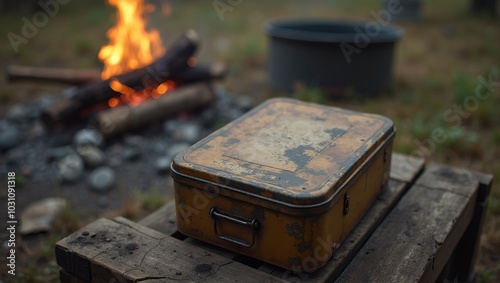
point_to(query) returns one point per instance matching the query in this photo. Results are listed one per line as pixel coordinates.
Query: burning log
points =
(66, 76)
(173, 62)
(201, 72)
(190, 97)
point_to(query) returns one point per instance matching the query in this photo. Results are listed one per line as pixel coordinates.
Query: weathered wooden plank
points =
(461, 265)
(405, 168)
(417, 238)
(126, 251)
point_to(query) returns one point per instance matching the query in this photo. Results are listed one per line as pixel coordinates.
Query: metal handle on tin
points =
(254, 225)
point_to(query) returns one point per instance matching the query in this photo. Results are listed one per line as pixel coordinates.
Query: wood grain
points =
(162, 220)
(125, 251)
(417, 238)
(405, 168)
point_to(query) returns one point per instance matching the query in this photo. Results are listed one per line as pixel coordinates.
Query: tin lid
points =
(285, 151)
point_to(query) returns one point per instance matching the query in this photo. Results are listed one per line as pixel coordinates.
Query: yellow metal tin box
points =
(285, 183)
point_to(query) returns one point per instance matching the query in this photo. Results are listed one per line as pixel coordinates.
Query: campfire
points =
(141, 80)
(131, 47)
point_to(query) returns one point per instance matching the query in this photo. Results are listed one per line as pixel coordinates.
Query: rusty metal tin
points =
(285, 183)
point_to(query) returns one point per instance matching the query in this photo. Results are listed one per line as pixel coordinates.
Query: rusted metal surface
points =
(292, 167)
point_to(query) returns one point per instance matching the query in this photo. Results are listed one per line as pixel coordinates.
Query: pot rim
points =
(287, 29)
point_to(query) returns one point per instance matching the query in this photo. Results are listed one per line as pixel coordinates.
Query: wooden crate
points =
(425, 227)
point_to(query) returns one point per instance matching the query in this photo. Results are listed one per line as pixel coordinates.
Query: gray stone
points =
(189, 132)
(88, 136)
(47, 100)
(9, 136)
(17, 113)
(34, 111)
(56, 153)
(70, 167)
(134, 140)
(102, 179)
(36, 130)
(132, 152)
(159, 147)
(170, 126)
(115, 161)
(162, 164)
(92, 156)
(175, 148)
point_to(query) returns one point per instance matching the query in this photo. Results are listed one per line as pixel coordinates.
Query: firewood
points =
(15, 73)
(127, 117)
(174, 61)
(53, 75)
(201, 72)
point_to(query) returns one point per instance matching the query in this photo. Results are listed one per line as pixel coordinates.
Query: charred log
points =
(40, 74)
(14, 73)
(201, 72)
(173, 62)
(190, 97)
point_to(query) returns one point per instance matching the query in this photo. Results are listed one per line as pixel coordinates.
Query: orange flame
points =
(131, 47)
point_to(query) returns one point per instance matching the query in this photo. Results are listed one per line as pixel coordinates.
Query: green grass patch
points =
(477, 98)
(152, 200)
(310, 94)
(486, 277)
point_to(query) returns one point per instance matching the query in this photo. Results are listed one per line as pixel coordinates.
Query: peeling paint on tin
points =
(335, 132)
(295, 230)
(283, 146)
(206, 147)
(303, 246)
(298, 154)
(314, 172)
(230, 142)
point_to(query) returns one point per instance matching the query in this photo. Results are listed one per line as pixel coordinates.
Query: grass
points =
(486, 277)
(437, 66)
(310, 94)
(138, 204)
(150, 201)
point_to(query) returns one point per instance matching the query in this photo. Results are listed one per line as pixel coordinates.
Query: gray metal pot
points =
(333, 55)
